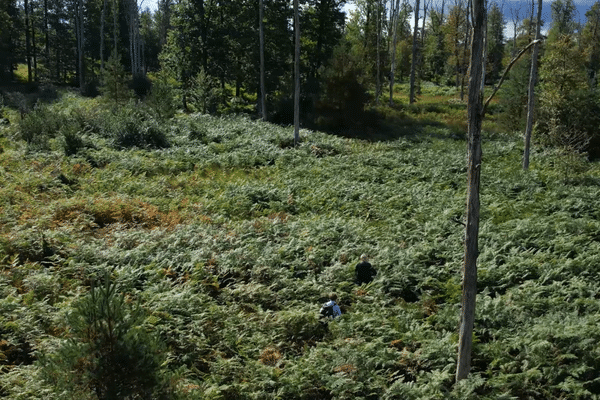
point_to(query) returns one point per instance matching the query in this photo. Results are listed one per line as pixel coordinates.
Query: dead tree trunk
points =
(531, 94)
(475, 115)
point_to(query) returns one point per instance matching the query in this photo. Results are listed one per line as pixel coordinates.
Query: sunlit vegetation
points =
(188, 258)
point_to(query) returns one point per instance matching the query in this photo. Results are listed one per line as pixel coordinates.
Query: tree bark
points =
(467, 41)
(475, 115)
(46, 35)
(296, 74)
(378, 67)
(27, 41)
(413, 64)
(33, 46)
(102, 18)
(263, 93)
(531, 94)
(80, 42)
(393, 63)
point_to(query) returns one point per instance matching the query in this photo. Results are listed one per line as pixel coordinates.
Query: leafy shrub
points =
(40, 125)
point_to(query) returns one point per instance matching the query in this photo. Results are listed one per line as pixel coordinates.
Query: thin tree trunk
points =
(413, 63)
(80, 42)
(475, 115)
(485, 41)
(393, 66)
(296, 74)
(115, 26)
(467, 41)
(263, 93)
(378, 68)
(27, 41)
(102, 19)
(456, 48)
(531, 93)
(34, 47)
(46, 36)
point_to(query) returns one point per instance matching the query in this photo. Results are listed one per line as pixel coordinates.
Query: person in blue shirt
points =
(331, 309)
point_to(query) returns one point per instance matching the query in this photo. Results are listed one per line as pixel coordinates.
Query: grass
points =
(229, 240)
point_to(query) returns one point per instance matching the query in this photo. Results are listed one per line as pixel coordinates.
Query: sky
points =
(508, 6)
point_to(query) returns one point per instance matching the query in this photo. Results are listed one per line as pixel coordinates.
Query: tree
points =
(394, 22)
(413, 65)
(79, 31)
(263, 95)
(27, 39)
(531, 92)
(590, 39)
(296, 74)
(563, 22)
(8, 35)
(495, 42)
(109, 350)
(435, 52)
(475, 116)
(456, 40)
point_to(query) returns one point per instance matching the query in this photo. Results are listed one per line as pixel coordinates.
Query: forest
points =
(181, 189)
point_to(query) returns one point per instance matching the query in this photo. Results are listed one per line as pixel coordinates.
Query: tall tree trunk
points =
(102, 19)
(33, 46)
(531, 92)
(393, 64)
(456, 47)
(465, 47)
(263, 93)
(469, 273)
(27, 40)
(413, 63)
(46, 36)
(485, 42)
(296, 74)
(115, 25)
(378, 67)
(80, 42)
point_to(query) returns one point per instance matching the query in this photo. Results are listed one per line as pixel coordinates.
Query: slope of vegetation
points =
(188, 258)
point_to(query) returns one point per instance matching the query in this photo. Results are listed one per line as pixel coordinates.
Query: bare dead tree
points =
(475, 115)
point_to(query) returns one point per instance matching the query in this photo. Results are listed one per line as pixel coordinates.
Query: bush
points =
(40, 125)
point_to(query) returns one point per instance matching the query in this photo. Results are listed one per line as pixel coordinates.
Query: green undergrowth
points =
(217, 244)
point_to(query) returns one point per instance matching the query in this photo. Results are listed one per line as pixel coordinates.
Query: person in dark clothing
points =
(364, 271)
